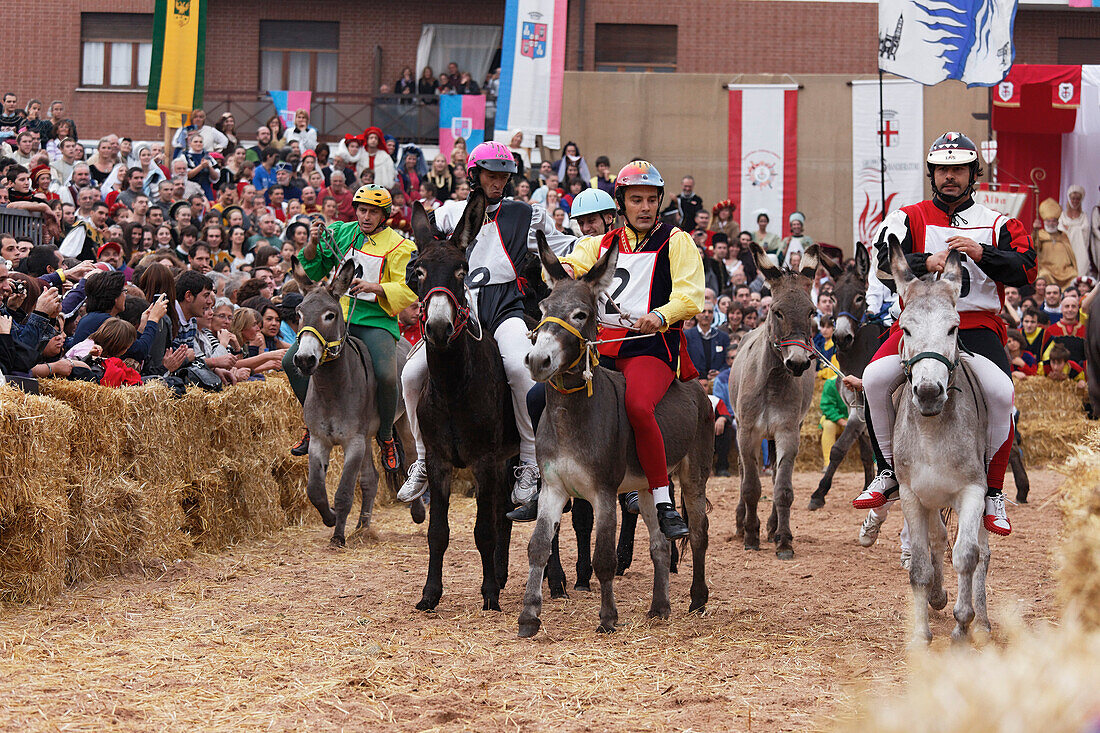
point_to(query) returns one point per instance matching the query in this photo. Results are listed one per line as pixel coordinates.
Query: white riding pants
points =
(512, 341)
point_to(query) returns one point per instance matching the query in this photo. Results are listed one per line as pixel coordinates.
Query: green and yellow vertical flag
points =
(178, 60)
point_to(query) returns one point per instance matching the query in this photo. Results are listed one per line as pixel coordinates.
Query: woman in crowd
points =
(721, 219)
(413, 170)
(154, 174)
(572, 154)
(278, 131)
(166, 237)
(201, 167)
(442, 177)
(406, 85)
(227, 126)
(427, 85)
(235, 166)
(303, 132)
(65, 129)
(238, 248)
(102, 166)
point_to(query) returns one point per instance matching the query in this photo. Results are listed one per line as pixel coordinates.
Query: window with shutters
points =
(298, 55)
(636, 47)
(115, 50)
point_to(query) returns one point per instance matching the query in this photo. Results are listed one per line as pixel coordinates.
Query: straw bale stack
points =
(809, 445)
(1046, 680)
(34, 511)
(1079, 566)
(1052, 419)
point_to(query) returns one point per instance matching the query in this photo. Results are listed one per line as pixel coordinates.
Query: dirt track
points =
(285, 634)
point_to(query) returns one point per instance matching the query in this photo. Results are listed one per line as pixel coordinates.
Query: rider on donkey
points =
(376, 296)
(506, 237)
(659, 284)
(996, 251)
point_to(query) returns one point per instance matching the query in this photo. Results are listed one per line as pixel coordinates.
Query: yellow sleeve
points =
(688, 282)
(396, 294)
(584, 255)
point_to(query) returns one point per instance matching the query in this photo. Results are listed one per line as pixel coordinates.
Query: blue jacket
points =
(707, 353)
(92, 321)
(721, 388)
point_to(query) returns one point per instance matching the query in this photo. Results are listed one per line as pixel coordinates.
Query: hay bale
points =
(1052, 419)
(291, 474)
(109, 527)
(809, 445)
(1041, 681)
(1079, 554)
(34, 513)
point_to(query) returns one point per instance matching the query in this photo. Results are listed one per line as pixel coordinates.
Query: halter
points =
(867, 317)
(330, 349)
(589, 353)
(461, 319)
(907, 365)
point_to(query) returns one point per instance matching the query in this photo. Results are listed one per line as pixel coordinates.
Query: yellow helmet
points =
(375, 195)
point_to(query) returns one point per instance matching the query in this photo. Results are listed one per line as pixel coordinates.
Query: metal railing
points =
(21, 224)
(407, 118)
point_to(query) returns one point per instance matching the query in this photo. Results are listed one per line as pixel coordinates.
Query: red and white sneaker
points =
(996, 520)
(881, 490)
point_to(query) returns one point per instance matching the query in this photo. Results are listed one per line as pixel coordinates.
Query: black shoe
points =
(301, 448)
(528, 512)
(671, 523)
(631, 503)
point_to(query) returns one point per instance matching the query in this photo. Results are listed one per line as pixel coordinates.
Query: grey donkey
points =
(586, 447)
(340, 405)
(939, 452)
(771, 386)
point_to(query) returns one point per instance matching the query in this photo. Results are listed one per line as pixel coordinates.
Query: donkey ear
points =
(602, 273)
(342, 281)
(550, 263)
(811, 258)
(903, 275)
(299, 274)
(472, 219)
(831, 266)
(422, 228)
(863, 262)
(952, 272)
(764, 263)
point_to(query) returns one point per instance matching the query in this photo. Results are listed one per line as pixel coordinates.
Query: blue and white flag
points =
(932, 40)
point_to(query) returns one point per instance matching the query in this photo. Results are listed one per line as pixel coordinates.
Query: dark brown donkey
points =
(586, 447)
(771, 387)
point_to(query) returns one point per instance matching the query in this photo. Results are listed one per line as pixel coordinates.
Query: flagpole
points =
(881, 146)
(167, 137)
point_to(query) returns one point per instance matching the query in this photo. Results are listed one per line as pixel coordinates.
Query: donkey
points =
(857, 338)
(939, 453)
(586, 448)
(468, 405)
(340, 405)
(771, 386)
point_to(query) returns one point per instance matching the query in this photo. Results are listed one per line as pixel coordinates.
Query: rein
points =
(462, 318)
(907, 365)
(589, 353)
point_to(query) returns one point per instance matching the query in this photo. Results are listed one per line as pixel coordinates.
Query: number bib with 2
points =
(631, 291)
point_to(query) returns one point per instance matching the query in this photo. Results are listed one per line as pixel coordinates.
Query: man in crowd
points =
(63, 167)
(1068, 331)
(130, 194)
(707, 345)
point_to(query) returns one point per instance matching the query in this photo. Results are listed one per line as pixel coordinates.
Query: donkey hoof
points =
(698, 606)
(490, 604)
(605, 629)
(960, 636)
(527, 629)
(661, 613)
(427, 604)
(938, 600)
(559, 593)
(750, 545)
(785, 553)
(416, 509)
(582, 586)
(337, 541)
(816, 503)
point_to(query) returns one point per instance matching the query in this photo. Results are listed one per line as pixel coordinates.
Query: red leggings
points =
(647, 380)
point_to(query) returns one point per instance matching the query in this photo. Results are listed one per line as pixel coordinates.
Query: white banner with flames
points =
(902, 134)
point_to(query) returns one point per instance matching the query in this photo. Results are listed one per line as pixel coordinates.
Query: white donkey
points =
(939, 448)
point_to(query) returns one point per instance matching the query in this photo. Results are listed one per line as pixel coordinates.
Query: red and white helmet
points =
(952, 148)
(492, 156)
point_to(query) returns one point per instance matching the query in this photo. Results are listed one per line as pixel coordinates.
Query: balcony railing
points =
(407, 118)
(21, 224)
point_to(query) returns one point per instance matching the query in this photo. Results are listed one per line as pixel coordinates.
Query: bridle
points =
(907, 365)
(463, 313)
(589, 353)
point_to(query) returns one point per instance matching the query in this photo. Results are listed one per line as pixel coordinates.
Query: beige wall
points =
(680, 123)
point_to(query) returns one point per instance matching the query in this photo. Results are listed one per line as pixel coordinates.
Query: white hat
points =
(797, 216)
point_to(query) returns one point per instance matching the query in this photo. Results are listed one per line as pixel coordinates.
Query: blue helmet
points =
(591, 201)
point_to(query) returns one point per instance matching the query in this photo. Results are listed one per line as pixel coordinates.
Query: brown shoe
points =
(391, 461)
(301, 448)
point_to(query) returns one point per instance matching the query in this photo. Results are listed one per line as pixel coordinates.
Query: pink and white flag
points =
(763, 145)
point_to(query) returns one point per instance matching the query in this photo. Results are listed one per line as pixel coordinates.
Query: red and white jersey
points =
(1007, 256)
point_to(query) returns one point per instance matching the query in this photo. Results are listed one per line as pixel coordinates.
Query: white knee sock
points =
(661, 495)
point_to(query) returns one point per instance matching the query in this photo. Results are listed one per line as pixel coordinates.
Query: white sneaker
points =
(527, 483)
(881, 490)
(996, 519)
(416, 484)
(868, 533)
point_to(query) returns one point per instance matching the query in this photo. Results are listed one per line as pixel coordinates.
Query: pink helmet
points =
(492, 156)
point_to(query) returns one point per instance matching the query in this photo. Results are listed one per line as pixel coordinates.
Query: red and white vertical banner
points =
(763, 153)
(902, 136)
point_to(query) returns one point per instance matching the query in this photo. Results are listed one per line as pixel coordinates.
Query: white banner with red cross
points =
(902, 135)
(763, 153)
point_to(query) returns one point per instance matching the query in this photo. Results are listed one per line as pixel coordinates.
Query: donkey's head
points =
(851, 299)
(322, 333)
(930, 327)
(570, 301)
(440, 273)
(789, 326)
